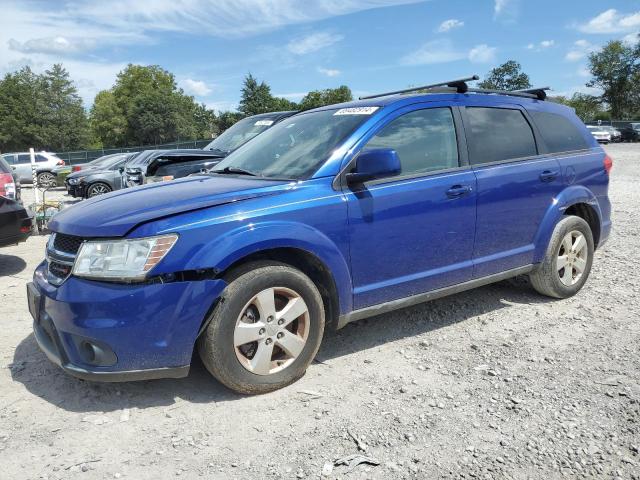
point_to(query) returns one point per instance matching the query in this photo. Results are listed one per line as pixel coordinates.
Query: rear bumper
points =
(113, 332)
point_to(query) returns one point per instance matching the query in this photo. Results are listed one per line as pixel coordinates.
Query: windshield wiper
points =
(219, 151)
(232, 170)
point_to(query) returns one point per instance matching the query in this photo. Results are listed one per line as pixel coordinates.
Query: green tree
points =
(145, 106)
(587, 107)
(257, 98)
(508, 76)
(330, 96)
(616, 71)
(65, 124)
(227, 119)
(41, 111)
(107, 120)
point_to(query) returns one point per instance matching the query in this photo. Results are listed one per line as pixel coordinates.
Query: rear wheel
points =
(265, 330)
(98, 189)
(46, 179)
(568, 259)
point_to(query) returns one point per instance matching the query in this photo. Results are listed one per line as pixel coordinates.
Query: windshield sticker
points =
(264, 123)
(356, 111)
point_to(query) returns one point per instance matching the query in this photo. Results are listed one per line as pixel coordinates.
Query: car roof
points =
(490, 99)
(274, 115)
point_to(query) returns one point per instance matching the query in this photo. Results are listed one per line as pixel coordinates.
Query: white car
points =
(600, 134)
(45, 163)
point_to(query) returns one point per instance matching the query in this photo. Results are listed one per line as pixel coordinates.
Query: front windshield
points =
(296, 147)
(239, 133)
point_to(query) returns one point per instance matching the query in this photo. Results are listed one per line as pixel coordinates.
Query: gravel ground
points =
(498, 382)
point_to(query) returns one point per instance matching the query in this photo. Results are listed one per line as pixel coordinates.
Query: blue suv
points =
(330, 216)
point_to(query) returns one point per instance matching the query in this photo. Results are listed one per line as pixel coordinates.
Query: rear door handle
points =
(548, 176)
(458, 191)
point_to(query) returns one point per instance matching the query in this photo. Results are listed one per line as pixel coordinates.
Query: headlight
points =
(75, 181)
(122, 259)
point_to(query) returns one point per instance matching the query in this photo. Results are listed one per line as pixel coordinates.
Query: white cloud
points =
(329, 72)
(583, 72)
(196, 87)
(579, 50)
(442, 51)
(450, 25)
(436, 51)
(631, 38)
(544, 44)
(611, 21)
(482, 54)
(54, 45)
(506, 10)
(313, 42)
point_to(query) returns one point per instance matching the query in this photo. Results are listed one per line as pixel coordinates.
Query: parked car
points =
(9, 184)
(16, 222)
(244, 130)
(162, 165)
(630, 134)
(45, 163)
(64, 171)
(599, 133)
(616, 135)
(330, 216)
(102, 177)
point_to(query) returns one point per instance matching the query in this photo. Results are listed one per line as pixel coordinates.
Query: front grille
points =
(67, 243)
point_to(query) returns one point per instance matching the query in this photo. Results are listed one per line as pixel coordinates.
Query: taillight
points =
(76, 168)
(60, 163)
(7, 187)
(608, 164)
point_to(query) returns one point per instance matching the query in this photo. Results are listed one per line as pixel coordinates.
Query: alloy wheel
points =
(98, 189)
(271, 331)
(572, 258)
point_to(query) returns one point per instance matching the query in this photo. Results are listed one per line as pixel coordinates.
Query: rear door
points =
(516, 185)
(414, 232)
(23, 167)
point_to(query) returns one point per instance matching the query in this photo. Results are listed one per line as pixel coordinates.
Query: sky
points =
(301, 45)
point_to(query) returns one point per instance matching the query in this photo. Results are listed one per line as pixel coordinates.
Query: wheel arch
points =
(575, 200)
(299, 245)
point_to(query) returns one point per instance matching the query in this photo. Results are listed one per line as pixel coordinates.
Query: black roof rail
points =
(539, 92)
(511, 93)
(460, 85)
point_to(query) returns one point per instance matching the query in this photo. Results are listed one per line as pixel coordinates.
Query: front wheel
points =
(265, 330)
(46, 179)
(98, 188)
(567, 262)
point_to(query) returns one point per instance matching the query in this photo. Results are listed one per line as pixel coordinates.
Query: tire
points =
(46, 179)
(98, 188)
(239, 311)
(550, 280)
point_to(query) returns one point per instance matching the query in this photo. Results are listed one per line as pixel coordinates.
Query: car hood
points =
(116, 213)
(87, 171)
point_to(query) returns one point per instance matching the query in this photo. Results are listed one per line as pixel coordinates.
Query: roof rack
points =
(460, 86)
(539, 92)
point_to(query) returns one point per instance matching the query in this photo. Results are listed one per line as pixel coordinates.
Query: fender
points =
(224, 250)
(569, 196)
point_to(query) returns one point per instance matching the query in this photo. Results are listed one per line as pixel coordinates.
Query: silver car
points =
(599, 133)
(45, 163)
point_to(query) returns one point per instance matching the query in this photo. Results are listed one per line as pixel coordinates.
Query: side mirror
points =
(374, 164)
(121, 170)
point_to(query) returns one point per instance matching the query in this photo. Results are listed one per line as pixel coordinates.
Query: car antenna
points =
(460, 85)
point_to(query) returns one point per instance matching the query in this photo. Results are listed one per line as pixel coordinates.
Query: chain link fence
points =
(83, 156)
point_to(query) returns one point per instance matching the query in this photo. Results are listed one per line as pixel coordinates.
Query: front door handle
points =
(458, 191)
(548, 176)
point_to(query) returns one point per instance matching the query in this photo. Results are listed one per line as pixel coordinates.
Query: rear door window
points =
(498, 134)
(10, 159)
(425, 140)
(559, 133)
(24, 158)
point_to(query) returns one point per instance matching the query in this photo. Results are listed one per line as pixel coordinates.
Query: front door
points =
(414, 232)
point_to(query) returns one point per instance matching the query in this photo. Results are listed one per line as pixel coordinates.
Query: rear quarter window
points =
(498, 134)
(559, 133)
(4, 166)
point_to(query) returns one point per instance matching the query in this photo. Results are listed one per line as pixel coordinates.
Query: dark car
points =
(100, 179)
(64, 171)
(629, 134)
(171, 164)
(15, 221)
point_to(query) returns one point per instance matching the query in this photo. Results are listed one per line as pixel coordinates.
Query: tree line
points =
(145, 106)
